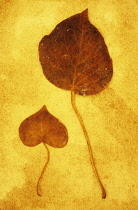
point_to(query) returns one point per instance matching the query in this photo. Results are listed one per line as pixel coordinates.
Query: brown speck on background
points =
(110, 117)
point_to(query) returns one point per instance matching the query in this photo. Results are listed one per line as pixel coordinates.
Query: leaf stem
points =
(88, 144)
(41, 175)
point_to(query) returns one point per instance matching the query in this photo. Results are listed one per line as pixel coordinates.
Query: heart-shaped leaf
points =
(74, 56)
(43, 127)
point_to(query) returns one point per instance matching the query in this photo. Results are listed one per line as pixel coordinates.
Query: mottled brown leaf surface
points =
(111, 116)
(74, 56)
(43, 127)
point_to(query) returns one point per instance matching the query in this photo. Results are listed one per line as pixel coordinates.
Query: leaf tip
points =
(44, 107)
(85, 12)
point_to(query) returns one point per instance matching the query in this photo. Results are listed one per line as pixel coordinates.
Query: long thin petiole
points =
(41, 175)
(88, 144)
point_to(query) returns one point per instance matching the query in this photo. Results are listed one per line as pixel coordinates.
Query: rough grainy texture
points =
(110, 117)
(74, 56)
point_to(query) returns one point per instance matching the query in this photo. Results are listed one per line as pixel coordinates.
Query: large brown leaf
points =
(43, 127)
(74, 56)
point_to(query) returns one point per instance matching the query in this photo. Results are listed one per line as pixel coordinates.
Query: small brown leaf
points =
(74, 56)
(43, 127)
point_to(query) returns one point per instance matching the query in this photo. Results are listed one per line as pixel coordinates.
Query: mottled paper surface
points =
(110, 117)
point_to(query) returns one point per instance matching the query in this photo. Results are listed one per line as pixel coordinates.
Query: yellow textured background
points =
(110, 117)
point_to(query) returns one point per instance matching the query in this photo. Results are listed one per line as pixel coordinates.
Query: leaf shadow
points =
(119, 119)
(25, 196)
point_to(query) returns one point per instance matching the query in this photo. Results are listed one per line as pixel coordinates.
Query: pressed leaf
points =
(43, 127)
(74, 56)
